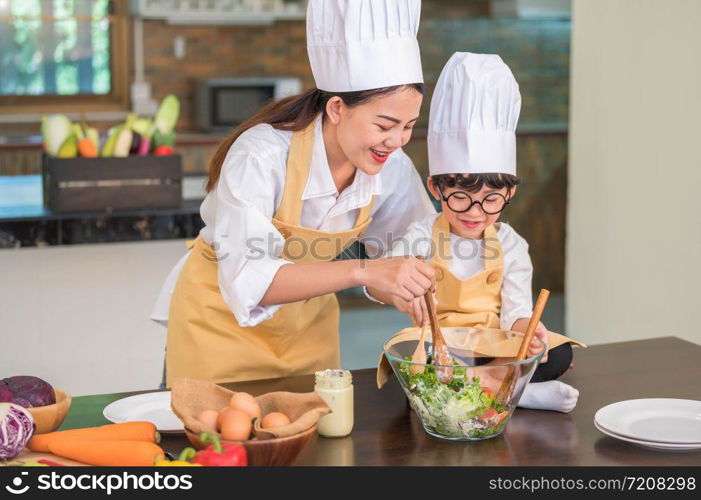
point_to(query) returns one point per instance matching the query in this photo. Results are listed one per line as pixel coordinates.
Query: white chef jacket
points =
(238, 214)
(466, 261)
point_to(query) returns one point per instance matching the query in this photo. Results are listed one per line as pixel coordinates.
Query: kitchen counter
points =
(387, 432)
(21, 199)
(24, 221)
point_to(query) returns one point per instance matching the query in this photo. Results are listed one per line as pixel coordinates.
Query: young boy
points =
(483, 270)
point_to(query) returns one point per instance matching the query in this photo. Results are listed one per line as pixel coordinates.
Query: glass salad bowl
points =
(482, 388)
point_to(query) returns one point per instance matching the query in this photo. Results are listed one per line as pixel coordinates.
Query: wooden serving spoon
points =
(419, 355)
(507, 384)
(441, 355)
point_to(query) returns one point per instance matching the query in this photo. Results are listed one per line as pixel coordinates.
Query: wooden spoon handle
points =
(441, 354)
(508, 383)
(431, 307)
(533, 324)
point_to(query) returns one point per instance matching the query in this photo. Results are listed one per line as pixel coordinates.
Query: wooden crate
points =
(112, 184)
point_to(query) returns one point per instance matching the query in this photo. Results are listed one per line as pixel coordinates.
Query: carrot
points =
(107, 453)
(87, 148)
(126, 431)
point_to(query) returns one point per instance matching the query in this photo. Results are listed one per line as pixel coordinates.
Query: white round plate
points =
(151, 407)
(649, 444)
(659, 420)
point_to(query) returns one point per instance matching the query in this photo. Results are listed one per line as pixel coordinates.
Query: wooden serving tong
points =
(441, 354)
(419, 356)
(509, 381)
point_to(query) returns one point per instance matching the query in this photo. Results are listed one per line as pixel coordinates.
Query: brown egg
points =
(246, 403)
(274, 419)
(209, 418)
(235, 425)
(222, 415)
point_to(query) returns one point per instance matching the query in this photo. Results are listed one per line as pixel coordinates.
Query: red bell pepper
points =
(216, 455)
(50, 463)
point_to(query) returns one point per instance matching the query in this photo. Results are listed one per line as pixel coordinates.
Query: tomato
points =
(163, 151)
(488, 414)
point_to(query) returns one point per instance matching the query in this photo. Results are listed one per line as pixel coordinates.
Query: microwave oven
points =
(224, 103)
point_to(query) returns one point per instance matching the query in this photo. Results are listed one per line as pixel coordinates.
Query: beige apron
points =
(476, 301)
(204, 339)
(472, 302)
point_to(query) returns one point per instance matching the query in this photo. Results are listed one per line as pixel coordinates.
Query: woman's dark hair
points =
(474, 182)
(295, 113)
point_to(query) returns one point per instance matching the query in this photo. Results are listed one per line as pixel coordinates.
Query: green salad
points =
(459, 409)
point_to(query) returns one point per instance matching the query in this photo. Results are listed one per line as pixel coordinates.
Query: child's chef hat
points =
(363, 44)
(474, 111)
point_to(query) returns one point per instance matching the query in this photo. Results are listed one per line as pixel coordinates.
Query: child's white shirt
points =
(466, 261)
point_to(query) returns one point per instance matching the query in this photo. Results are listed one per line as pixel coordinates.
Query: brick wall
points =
(536, 50)
(220, 51)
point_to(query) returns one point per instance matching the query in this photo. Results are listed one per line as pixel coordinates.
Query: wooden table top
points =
(387, 432)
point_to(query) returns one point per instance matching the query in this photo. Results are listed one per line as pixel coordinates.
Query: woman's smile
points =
(379, 156)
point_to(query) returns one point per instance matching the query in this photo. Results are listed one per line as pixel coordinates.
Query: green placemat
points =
(86, 411)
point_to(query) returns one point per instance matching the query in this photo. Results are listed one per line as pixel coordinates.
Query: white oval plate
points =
(649, 444)
(657, 420)
(151, 407)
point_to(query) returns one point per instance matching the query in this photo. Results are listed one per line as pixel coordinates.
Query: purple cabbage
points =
(6, 395)
(27, 391)
(16, 429)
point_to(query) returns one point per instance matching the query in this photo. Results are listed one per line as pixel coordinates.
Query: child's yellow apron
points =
(204, 339)
(476, 301)
(473, 302)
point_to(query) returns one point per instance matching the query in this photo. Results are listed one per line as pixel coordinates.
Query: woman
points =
(293, 187)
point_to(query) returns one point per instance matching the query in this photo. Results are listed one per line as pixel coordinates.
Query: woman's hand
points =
(521, 325)
(406, 278)
(415, 308)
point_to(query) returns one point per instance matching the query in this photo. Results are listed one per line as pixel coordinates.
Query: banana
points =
(94, 137)
(77, 131)
(141, 126)
(111, 142)
(69, 148)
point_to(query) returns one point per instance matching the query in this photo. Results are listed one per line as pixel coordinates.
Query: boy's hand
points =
(521, 325)
(542, 334)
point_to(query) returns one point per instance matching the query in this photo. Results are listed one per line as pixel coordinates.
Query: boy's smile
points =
(472, 223)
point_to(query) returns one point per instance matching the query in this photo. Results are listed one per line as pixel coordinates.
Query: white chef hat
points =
(474, 111)
(358, 45)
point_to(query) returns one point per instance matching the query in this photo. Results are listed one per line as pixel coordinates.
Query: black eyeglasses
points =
(460, 202)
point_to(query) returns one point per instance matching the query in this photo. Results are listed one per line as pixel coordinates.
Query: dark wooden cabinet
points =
(112, 184)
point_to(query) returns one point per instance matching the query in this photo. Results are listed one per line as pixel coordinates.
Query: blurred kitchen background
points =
(610, 108)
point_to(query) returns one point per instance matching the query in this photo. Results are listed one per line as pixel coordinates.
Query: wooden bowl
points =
(49, 418)
(266, 452)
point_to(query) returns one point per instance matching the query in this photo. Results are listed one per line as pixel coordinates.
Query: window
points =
(64, 53)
